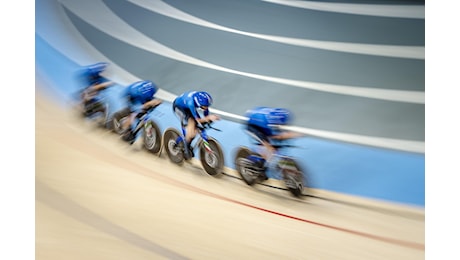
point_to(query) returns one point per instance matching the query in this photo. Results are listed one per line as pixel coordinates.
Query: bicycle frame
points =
(141, 121)
(202, 138)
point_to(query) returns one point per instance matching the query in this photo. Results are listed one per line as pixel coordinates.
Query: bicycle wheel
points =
(293, 177)
(116, 122)
(152, 137)
(211, 157)
(244, 166)
(174, 151)
(99, 113)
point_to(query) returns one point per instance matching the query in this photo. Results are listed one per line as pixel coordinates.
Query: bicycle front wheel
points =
(152, 137)
(293, 177)
(211, 157)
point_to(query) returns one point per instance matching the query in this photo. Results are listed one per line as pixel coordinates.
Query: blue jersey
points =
(186, 103)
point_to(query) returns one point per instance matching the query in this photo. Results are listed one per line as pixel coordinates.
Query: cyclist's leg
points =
(262, 143)
(88, 102)
(190, 133)
(129, 123)
(187, 122)
(260, 162)
(180, 114)
(128, 134)
(135, 110)
(183, 117)
(190, 130)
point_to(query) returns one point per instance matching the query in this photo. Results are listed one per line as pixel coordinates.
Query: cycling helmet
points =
(143, 89)
(202, 98)
(97, 68)
(279, 116)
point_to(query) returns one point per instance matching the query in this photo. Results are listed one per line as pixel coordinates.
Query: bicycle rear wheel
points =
(243, 166)
(174, 151)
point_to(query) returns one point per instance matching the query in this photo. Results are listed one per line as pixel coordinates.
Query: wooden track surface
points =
(99, 198)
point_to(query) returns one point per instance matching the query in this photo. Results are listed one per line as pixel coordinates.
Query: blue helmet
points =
(264, 116)
(143, 89)
(202, 98)
(97, 68)
(279, 116)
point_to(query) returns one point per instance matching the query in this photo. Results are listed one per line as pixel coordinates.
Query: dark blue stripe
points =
(267, 18)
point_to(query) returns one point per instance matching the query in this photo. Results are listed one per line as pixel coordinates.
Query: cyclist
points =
(93, 83)
(263, 125)
(192, 109)
(140, 97)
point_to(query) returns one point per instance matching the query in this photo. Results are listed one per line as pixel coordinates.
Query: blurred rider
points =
(263, 125)
(93, 83)
(140, 98)
(192, 109)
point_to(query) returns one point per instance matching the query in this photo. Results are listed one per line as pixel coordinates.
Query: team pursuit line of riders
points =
(192, 109)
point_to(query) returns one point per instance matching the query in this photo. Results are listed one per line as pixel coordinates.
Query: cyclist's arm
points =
(94, 89)
(101, 86)
(208, 118)
(152, 103)
(286, 135)
(282, 136)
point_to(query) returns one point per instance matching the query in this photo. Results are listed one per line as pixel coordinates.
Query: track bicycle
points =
(211, 155)
(151, 133)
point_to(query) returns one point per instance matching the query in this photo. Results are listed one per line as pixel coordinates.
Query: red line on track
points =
(363, 234)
